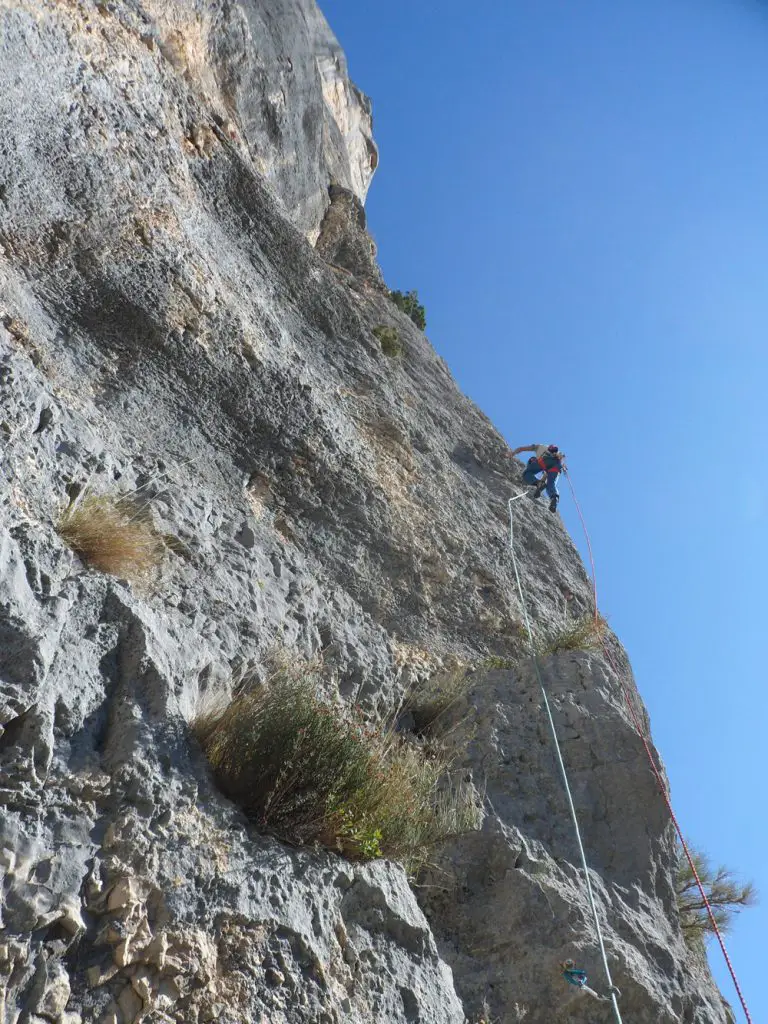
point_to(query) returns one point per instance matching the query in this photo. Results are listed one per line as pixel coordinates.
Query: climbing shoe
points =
(538, 489)
(553, 504)
(534, 494)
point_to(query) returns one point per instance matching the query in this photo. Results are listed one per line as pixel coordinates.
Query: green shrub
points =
(726, 897)
(409, 303)
(389, 339)
(303, 771)
(114, 534)
(583, 634)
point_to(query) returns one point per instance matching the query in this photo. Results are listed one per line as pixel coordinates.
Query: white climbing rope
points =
(611, 988)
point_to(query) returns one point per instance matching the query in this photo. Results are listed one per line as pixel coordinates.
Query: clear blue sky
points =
(579, 192)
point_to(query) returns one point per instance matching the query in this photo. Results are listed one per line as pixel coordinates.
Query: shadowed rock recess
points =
(166, 169)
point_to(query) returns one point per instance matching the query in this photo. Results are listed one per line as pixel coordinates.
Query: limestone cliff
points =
(167, 325)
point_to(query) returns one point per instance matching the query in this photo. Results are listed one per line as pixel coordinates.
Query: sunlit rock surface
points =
(167, 326)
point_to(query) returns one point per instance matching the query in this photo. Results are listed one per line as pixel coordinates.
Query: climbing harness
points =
(561, 762)
(554, 465)
(574, 975)
(654, 766)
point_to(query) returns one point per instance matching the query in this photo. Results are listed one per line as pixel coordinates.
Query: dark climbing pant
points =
(531, 473)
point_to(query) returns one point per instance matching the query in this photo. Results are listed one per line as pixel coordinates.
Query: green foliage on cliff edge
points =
(409, 303)
(304, 770)
(726, 897)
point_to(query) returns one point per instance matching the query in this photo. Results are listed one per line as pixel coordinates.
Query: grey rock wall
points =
(509, 904)
(278, 78)
(168, 327)
(344, 241)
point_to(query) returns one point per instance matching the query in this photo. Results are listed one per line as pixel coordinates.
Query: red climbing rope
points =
(652, 759)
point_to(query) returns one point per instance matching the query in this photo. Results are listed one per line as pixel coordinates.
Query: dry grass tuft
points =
(431, 702)
(114, 534)
(583, 634)
(302, 770)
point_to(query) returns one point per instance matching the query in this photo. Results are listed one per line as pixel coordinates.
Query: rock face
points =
(168, 329)
(523, 874)
(273, 75)
(343, 240)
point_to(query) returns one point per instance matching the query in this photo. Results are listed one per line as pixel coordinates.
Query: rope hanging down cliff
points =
(654, 766)
(612, 989)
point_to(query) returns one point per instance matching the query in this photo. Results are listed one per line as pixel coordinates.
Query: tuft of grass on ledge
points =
(115, 535)
(582, 634)
(304, 771)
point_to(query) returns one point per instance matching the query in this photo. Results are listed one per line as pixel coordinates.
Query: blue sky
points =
(579, 192)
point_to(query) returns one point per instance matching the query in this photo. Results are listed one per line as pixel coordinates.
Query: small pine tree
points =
(409, 303)
(726, 897)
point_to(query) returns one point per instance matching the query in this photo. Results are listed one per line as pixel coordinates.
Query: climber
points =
(574, 975)
(549, 460)
(578, 978)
